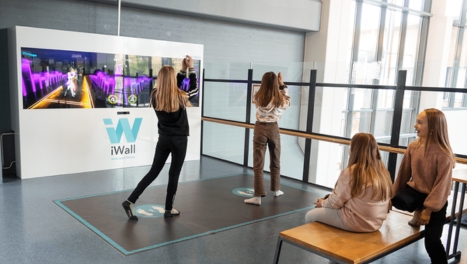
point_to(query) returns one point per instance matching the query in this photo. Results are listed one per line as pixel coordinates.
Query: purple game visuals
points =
(75, 79)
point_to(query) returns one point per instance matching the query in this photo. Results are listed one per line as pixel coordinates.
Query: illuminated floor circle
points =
(244, 192)
(149, 210)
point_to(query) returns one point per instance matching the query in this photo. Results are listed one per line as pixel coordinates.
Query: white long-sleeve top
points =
(270, 114)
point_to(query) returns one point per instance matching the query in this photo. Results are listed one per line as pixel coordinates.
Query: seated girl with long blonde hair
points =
(360, 199)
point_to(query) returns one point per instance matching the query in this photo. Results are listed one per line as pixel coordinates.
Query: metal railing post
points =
(1, 159)
(247, 118)
(309, 125)
(202, 113)
(396, 121)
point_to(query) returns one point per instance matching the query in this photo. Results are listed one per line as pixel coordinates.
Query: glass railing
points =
(333, 110)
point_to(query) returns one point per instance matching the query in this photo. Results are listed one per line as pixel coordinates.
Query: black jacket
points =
(176, 123)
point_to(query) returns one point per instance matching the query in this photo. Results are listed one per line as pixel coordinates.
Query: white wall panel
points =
(62, 141)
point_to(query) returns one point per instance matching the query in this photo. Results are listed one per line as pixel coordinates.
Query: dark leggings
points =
(176, 145)
(410, 200)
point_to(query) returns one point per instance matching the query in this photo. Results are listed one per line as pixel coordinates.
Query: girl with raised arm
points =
(169, 103)
(271, 100)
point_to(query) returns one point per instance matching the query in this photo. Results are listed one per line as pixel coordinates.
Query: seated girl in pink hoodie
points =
(360, 199)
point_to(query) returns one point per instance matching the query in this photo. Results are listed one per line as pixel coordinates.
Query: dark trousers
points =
(176, 145)
(266, 134)
(410, 200)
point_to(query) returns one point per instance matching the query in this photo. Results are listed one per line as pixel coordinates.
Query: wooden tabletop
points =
(352, 247)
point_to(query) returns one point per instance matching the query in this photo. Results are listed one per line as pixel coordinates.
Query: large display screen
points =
(76, 79)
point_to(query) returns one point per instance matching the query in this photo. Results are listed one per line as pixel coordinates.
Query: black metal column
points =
(247, 118)
(202, 113)
(309, 125)
(396, 121)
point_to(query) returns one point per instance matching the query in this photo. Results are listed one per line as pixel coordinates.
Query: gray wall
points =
(305, 13)
(229, 47)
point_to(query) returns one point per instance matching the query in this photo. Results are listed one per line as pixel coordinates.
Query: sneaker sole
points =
(128, 212)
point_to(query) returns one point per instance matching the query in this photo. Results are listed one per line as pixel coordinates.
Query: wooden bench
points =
(348, 247)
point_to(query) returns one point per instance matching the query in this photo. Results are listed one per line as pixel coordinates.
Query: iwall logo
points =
(123, 128)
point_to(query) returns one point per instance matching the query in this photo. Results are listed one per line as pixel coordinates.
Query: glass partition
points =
(399, 160)
(326, 166)
(223, 142)
(291, 71)
(455, 119)
(371, 110)
(296, 115)
(227, 70)
(226, 100)
(326, 162)
(292, 156)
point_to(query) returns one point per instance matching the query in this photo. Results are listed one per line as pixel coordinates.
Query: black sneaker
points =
(170, 213)
(129, 210)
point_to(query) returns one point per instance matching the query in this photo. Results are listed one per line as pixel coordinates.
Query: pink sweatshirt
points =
(431, 175)
(360, 214)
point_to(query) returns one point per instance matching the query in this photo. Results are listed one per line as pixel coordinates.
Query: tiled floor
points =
(33, 229)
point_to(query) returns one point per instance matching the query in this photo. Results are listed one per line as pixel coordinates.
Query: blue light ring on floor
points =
(244, 192)
(149, 210)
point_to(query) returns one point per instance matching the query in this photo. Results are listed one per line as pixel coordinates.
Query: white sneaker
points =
(278, 193)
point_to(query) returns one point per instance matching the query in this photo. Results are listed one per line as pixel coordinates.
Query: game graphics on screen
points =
(74, 79)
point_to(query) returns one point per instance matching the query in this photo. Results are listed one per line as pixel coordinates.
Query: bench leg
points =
(455, 254)
(278, 250)
(459, 218)
(451, 222)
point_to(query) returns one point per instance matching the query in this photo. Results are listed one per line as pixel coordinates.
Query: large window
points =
(389, 36)
(456, 76)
